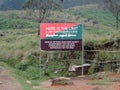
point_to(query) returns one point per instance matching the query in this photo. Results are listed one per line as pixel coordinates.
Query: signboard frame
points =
(82, 48)
(61, 36)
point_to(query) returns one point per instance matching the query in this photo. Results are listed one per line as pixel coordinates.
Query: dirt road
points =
(79, 84)
(7, 82)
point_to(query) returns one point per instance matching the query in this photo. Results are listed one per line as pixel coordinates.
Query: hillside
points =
(13, 20)
(96, 20)
(19, 43)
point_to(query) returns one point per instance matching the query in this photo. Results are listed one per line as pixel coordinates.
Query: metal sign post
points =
(83, 52)
(40, 59)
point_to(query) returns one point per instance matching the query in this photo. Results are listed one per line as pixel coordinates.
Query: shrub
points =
(12, 62)
(103, 56)
(32, 73)
(33, 58)
(23, 65)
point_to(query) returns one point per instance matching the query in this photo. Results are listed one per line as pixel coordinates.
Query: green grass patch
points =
(99, 82)
(93, 13)
(112, 79)
(7, 23)
(21, 77)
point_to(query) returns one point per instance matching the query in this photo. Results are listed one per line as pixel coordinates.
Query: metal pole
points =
(46, 63)
(82, 50)
(40, 65)
(40, 59)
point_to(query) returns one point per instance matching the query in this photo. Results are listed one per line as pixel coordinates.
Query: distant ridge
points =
(11, 4)
(17, 4)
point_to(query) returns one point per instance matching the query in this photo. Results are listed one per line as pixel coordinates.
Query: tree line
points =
(44, 6)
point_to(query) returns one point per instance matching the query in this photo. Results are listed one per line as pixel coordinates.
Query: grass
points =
(99, 82)
(20, 78)
(104, 81)
(12, 20)
(112, 79)
(94, 13)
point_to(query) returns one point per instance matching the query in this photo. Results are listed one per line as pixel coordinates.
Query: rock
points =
(62, 81)
(28, 82)
(99, 75)
(1, 83)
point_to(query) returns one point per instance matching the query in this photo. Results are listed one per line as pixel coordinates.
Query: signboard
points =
(61, 36)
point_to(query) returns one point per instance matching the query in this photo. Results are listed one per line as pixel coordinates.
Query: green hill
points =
(96, 20)
(12, 20)
(20, 43)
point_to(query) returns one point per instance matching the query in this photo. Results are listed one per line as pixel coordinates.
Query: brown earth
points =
(81, 83)
(7, 82)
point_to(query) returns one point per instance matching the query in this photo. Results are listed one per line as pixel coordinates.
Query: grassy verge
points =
(19, 77)
(99, 82)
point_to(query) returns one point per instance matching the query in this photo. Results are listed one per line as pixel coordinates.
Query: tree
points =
(43, 7)
(114, 7)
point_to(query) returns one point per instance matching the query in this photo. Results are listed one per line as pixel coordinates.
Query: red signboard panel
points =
(61, 36)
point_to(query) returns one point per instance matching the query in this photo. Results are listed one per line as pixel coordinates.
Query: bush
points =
(32, 73)
(12, 62)
(23, 65)
(33, 58)
(103, 56)
(90, 45)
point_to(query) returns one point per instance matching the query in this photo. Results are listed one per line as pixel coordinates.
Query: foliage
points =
(92, 68)
(23, 65)
(103, 56)
(16, 23)
(100, 82)
(43, 7)
(114, 7)
(112, 79)
(90, 45)
(63, 82)
(32, 73)
(12, 62)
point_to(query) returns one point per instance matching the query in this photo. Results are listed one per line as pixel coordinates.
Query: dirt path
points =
(7, 82)
(79, 84)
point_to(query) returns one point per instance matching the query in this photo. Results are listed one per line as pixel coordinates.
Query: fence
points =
(100, 60)
(103, 60)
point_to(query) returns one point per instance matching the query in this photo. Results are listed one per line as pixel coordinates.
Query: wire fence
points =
(100, 60)
(103, 60)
